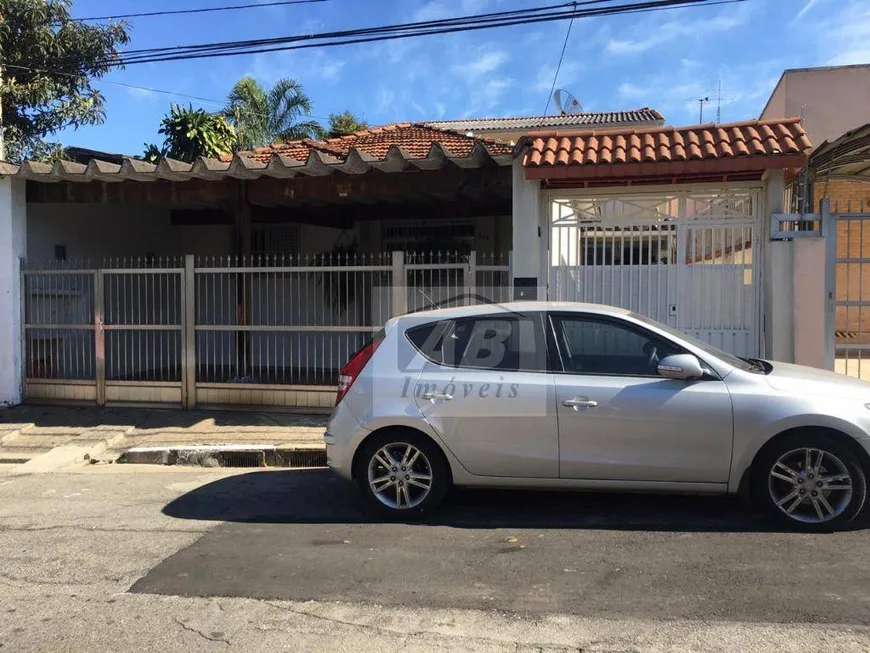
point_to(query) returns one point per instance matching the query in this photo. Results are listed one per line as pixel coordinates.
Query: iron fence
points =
(227, 330)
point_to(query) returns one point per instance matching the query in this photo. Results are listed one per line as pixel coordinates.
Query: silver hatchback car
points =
(578, 396)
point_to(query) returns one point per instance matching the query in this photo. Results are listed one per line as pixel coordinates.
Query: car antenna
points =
(428, 298)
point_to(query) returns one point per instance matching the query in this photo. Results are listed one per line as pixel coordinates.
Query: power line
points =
(559, 65)
(200, 10)
(147, 89)
(389, 32)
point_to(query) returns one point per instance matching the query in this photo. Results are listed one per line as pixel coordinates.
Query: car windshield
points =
(724, 356)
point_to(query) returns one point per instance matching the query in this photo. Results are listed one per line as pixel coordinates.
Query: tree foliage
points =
(341, 124)
(49, 62)
(276, 115)
(189, 133)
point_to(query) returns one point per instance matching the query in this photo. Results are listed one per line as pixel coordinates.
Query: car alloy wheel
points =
(400, 476)
(810, 485)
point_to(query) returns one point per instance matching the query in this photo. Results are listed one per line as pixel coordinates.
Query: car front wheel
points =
(811, 482)
(402, 475)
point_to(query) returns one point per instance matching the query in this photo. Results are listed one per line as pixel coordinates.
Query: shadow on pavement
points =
(316, 496)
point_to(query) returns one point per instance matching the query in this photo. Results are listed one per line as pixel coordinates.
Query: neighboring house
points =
(832, 101)
(251, 280)
(512, 129)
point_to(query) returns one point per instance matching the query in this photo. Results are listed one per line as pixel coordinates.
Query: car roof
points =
(511, 307)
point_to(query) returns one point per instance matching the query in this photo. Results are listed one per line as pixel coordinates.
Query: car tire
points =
(774, 485)
(403, 498)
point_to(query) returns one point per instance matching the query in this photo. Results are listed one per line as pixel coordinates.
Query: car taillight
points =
(355, 365)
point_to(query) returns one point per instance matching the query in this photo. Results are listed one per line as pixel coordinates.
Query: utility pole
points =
(701, 108)
(719, 103)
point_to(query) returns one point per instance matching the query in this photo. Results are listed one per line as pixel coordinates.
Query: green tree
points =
(341, 124)
(48, 63)
(262, 117)
(189, 133)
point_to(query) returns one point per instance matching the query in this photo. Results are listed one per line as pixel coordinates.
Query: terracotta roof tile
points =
(414, 139)
(668, 144)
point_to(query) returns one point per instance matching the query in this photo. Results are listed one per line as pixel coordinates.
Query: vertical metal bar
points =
(99, 338)
(188, 336)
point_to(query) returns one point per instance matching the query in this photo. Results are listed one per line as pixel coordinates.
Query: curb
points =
(265, 455)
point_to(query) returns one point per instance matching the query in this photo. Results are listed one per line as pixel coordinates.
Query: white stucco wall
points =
(13, 246)
(529, 226)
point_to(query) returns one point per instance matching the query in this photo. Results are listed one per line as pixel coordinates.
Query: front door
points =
(619, 420)
(487, 392)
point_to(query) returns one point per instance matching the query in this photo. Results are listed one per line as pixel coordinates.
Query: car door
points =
(620, 420)
(486, 390)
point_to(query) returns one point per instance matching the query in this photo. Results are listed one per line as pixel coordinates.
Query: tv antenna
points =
(701, 101)
(566, 103)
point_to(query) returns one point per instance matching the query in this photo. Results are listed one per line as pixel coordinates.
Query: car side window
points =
(589, 345)
(427, 339)
(497, 342)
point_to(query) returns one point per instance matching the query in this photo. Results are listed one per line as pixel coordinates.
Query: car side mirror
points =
(680, 366)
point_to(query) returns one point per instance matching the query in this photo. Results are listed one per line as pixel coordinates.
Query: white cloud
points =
(567, 74)
(431, 11)
(806, 8)
(845, 35)
(629, 90)
(140, 93)
(385, 100)
(651, 35)
(484, 64)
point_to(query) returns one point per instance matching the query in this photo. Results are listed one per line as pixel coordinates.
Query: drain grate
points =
(299, 458)
(241, 458)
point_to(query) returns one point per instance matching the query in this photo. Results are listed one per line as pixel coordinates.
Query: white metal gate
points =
(685, 258)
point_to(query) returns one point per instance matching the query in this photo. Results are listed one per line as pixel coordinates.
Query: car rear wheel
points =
(811, 482)
(401, 475)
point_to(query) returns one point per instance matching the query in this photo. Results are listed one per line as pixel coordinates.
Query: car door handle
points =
(579, 402)
(435, 396)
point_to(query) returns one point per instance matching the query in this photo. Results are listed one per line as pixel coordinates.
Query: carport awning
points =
(845, 157)
(735, 148)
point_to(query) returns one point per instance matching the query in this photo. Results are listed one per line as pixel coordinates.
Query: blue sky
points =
(666, 60)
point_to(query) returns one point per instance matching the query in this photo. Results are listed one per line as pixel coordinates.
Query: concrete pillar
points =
(13, 247)
(779, 302)
(774, 199)
(529, 238)
(810, 303)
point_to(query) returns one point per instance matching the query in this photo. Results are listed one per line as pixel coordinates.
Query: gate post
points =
(399, 286)
(471, 278)
(829, 233)
(188, 333)
(99, 338)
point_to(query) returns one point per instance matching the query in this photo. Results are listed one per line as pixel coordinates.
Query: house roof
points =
(414, 139)
(740, 146)
(393, 148)
(642, 116)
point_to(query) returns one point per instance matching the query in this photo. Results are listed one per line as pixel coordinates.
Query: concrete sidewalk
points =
(48, 435)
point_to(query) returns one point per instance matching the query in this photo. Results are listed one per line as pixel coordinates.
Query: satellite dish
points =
(567, 103)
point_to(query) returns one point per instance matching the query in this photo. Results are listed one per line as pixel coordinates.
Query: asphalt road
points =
(124, 559)
(592, 555)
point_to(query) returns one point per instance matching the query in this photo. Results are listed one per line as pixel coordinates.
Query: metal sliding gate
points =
(224, 331)
(688, 259)
(851, 291)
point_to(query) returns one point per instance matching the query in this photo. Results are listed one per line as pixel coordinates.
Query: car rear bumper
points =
(343, 434)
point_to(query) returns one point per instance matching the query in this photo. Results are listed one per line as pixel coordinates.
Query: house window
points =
(275, 240)
(60, 252)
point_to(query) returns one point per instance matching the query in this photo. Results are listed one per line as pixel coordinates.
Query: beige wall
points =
(831, 100)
